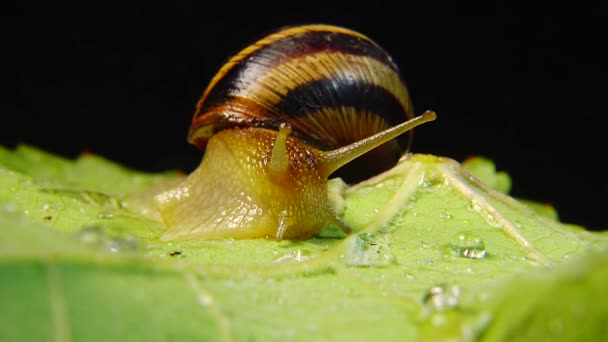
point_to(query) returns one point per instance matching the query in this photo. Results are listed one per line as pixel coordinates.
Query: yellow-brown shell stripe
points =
(327, 130)
(281, 34)
(272, 85)
(300, 86)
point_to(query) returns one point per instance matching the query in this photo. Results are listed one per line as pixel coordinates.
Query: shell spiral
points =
(334, 86)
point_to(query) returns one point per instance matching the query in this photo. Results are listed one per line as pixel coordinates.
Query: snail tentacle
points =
(279, 161)
(335, 159)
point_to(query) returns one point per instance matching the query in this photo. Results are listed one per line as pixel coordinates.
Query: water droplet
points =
(96, 237)
(51, 207)
(296, 255)
(468, 245)
(368, 249)
(408, 276)
(445, 215)
(400, 219)
(205, 299)
(442, 297)
(104, 215)
(431, 181)
(90, 235)
(473, 206)
(425, 244)
(491, 219)
(10, 207)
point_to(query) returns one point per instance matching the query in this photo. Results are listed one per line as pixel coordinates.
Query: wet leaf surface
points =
(436, 254)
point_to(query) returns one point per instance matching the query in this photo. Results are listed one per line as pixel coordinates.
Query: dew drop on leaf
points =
(408, 276)
(491, 220)
(431, 181)
(297, 255)
(104, 215)
(95, 237)
(445, 215)
(90, 235)
(473, 206)
(489, 217)
(442, 297)
(9, 207)
(368, 249)
(51, 207)
(468, 245)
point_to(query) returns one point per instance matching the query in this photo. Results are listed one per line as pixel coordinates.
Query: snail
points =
(275, 122)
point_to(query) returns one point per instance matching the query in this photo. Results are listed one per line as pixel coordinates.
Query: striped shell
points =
(333, 86)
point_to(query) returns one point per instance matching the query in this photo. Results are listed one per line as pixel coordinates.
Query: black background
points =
(521, 86)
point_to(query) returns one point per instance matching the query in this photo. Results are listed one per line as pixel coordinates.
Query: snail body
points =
(276, 121)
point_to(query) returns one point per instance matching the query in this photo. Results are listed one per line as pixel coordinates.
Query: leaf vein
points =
(59, 310)
(206, 301)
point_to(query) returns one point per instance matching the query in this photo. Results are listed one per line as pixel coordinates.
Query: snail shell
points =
(276, 121)
(334, 86)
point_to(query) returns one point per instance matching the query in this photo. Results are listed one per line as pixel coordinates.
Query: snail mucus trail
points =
(275, 122)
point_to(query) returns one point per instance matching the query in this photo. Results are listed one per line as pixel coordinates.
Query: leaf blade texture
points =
(439, 251)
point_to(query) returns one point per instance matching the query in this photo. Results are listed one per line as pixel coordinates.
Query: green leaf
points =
(485, 170)
(563, 304)
(436, 254)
